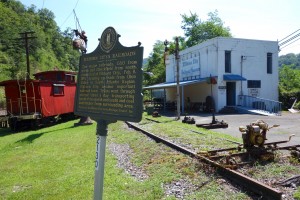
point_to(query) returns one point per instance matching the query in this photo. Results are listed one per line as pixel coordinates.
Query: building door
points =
(230, 93)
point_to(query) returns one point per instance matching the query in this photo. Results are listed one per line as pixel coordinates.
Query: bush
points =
(297, 105)
(288, 98)
(297, 194)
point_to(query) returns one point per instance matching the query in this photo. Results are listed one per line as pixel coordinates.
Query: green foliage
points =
(5, 66)
(289, 79)
(198, 31)
(290, 59)
(51, 47)
(289, 85)
(172, 45)
(297, 194)
(155, 64)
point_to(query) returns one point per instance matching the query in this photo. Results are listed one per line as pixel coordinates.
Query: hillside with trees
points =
(289, 79)
(290, 59)
(49, 47)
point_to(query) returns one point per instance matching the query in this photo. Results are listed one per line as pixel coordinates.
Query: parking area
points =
(289, 124)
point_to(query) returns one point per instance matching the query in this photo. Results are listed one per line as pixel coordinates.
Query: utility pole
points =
(177, 77)
(26, 36)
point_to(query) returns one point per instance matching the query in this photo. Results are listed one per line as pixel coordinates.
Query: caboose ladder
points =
(23, 96)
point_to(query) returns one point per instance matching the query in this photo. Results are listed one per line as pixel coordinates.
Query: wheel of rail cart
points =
(48, 121)
(13, 124)
(35, 124)
(67, 117)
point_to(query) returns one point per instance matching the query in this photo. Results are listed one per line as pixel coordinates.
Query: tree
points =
(290, 59)
(172, 44)
(155, 65)
(51, 47)
(289, 78)
(289, 85)
(197, 31)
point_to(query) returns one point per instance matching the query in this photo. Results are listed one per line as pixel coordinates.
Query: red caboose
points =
(28, 102)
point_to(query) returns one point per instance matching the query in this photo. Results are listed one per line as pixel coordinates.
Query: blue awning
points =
(233, 77)
(174, 84)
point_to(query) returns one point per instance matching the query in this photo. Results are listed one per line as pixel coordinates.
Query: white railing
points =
(257, 103)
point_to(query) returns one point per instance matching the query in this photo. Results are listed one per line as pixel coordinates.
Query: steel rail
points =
(195, 131)
(250, 184)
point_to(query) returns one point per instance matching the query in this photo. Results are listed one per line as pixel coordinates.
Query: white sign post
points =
(100, 159)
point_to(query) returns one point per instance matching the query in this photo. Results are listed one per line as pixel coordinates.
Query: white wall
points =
(211, 57)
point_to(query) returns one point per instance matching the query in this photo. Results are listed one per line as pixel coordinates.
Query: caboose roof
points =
(6, 82)
(56, 72)
(11, 82)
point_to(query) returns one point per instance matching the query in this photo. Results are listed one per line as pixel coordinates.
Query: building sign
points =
(109, 82)
(254, 92)
(222, 87)
(190, 68)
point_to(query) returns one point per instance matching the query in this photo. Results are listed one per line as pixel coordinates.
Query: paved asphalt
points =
(289, 124)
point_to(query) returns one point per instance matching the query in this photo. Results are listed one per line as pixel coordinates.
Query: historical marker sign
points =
(110, 81)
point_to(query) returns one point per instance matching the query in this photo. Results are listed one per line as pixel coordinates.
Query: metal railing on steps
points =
(260, 104)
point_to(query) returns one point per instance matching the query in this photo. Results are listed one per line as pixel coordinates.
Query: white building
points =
(246, 74)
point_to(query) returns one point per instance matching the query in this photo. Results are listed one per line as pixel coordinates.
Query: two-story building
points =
(244, 73)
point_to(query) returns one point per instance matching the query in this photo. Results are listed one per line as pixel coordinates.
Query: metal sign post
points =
(100, 159)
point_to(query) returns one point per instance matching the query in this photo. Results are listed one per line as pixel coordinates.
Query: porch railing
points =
(261, 104)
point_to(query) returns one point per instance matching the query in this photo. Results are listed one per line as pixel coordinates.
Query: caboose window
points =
(58, 89)
(70, 78)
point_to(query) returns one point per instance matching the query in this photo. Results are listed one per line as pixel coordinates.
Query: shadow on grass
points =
(5, 132)
(32, 137)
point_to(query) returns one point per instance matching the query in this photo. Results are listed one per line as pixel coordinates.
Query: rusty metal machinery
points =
(255, 133)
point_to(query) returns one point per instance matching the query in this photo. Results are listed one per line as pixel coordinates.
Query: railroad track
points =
(248, 183)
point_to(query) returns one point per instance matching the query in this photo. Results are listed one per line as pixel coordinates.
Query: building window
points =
(253, 84)
(269, 63)
(227, 61)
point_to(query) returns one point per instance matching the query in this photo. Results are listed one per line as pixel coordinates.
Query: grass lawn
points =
(51, 163)
(58, 163)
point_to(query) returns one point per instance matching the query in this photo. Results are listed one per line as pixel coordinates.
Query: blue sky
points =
(149, 21)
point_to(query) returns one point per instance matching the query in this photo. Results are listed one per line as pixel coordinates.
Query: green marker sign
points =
(110, 81)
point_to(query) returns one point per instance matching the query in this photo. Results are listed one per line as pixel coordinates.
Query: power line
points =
(76, 5)
(289, 35)
(66, 19)
(290, 43)
(77, 20)
(290, 39)
(69, 14)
